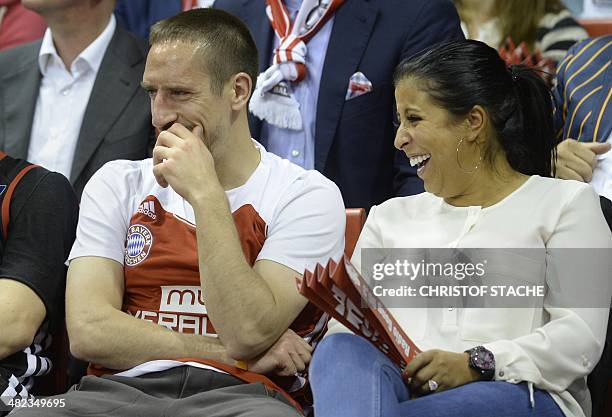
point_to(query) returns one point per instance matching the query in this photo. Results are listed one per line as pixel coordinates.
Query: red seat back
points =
(355, 219)
(597, 27)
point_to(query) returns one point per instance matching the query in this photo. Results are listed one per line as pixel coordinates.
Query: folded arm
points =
(250, 302)
(252, 307)
(21, 314)
(101, 333)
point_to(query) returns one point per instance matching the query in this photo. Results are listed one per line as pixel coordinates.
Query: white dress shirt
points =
(62, 100)
(298, 145)
(205, 3)
(602, 174)
(488, 32)
(550, 348)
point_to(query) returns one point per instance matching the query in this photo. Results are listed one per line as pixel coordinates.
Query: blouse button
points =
(501, 373)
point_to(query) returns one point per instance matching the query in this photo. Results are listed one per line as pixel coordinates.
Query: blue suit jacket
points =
(583, 104)
(354, 139)
(137, 16)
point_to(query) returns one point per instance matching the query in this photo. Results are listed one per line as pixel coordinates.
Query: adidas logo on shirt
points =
(148, 209)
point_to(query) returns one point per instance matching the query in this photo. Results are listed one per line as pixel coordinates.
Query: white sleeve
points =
(105, 212)
(308, 226)
(569, 346)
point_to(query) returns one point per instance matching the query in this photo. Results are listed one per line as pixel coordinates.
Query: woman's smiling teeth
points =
(419, 160)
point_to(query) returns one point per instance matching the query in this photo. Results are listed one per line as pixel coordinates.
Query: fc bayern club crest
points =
(138, 245)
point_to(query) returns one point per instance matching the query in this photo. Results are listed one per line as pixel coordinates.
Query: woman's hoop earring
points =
(459, 164)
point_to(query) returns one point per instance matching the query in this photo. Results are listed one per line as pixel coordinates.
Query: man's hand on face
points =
(286, 357)
(182, 161)
(577, 160)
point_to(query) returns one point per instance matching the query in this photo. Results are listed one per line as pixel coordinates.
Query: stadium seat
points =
(355, 219)
(597, 27)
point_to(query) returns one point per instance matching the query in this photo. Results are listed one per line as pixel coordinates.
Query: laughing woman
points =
(482, 137)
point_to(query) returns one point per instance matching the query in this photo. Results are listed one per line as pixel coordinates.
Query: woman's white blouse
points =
(551, 348)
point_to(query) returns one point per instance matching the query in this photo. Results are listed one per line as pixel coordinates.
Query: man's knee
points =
(271, 410)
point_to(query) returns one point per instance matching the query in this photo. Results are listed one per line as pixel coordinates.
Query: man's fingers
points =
(304, 345)
(160, 153)
(179, 130)
(598, 148)
(575, 161)
(296, 341)
(566, 173)
(305, 355)
(582, 151)
(182, 133)
(297, 361)
(570, 149)
(582, 167)
(168, 139)
(286, 367)
(159, 177)
(198, 132)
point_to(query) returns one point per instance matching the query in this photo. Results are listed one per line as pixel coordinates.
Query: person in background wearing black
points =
(39, 217)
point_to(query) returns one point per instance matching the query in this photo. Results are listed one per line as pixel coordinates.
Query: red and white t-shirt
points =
(283, 213)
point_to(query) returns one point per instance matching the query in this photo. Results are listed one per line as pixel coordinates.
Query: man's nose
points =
(162, 113)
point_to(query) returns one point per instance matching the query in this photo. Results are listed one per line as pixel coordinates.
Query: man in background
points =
(583, 114)
(72, 101)
(343, 93)
(138, 16)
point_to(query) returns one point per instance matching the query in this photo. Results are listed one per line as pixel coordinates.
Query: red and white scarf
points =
(272, 99)
(189, 4)
(196, 4)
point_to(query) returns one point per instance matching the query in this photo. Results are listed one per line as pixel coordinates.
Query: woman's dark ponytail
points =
(462, 74)
(528, 134)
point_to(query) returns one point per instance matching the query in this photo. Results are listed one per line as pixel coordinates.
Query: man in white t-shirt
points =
(205, 240)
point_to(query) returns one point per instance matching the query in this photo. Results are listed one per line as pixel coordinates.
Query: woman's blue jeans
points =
(351, 378)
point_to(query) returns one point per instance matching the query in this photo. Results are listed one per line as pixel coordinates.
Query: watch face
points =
(483, 359)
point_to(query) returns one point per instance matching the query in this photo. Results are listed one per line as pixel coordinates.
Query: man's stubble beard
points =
(214, 140)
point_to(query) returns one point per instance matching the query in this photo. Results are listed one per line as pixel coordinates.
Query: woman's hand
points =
(447, 369)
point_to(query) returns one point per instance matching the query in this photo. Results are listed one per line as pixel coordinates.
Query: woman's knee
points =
(342, 350)
(341, 345)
